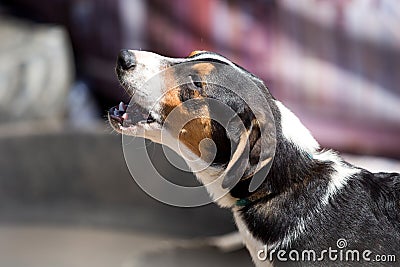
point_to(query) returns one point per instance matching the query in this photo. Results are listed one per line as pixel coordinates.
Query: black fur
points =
(365, 211)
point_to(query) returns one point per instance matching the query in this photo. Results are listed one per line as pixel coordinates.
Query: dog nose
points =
(126, 59)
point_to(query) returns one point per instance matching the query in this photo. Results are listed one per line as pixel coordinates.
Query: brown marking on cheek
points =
(195, 119)
(170, 98)
(203, 69)
(170, 101)
(192, 125)
(195, 131)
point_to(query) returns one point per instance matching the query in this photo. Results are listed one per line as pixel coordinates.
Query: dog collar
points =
(245, 198)
(242, 202)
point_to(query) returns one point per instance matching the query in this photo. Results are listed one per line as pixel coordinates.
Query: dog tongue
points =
(130, 114)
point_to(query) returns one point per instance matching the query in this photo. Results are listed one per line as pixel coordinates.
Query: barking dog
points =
(310, 202)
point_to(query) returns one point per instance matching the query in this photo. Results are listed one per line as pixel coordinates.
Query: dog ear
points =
(260, 173)
(255, 143)
(259, 157)
(256, 147)
(252, 157)
(238, 162)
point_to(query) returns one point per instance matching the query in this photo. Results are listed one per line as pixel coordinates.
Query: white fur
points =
(148, 89)
(342, 173)
(212, 179)
(149, 64)
(210, 176)
(145, 85)
(294, 131)
(252, 244)
(339, 178)
(148, 86)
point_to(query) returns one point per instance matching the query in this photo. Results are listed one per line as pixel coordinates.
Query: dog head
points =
(212, 112)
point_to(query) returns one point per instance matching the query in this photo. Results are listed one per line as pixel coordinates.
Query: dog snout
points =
(126, 59)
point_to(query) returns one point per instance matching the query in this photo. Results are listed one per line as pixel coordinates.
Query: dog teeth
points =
(122, 106)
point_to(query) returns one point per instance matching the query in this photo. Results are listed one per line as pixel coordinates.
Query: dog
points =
(310, 201)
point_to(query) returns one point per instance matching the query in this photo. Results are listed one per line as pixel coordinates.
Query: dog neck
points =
(295, 150)
(299, 168)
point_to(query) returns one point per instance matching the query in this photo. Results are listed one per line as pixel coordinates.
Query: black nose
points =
(126, 59)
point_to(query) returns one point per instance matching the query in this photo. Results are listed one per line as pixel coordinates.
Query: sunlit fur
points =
(310, 198)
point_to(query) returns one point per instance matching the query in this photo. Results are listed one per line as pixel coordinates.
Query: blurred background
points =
(66, 196)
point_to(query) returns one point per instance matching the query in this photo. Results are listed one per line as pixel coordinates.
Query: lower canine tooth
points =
(121, 106)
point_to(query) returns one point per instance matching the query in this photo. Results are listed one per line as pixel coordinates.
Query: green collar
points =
(242, 202)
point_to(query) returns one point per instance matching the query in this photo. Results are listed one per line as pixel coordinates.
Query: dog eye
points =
(196, 81)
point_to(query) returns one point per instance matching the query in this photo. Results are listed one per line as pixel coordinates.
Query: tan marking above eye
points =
(195, 52)
(170, 101)
(203, 69)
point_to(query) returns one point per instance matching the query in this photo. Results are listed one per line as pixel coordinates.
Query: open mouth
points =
(130, 115)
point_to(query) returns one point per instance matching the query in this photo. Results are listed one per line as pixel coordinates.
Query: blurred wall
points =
(334, 63)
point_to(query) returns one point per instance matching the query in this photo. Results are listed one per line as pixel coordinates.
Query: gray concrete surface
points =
(67, 199)
(81, 177)
(39, 246)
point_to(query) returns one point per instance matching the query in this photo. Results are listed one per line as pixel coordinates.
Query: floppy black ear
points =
(238, 162)
(260, 174)
(259, 158)
(252, 156)
(246, 153)
(256, 143)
